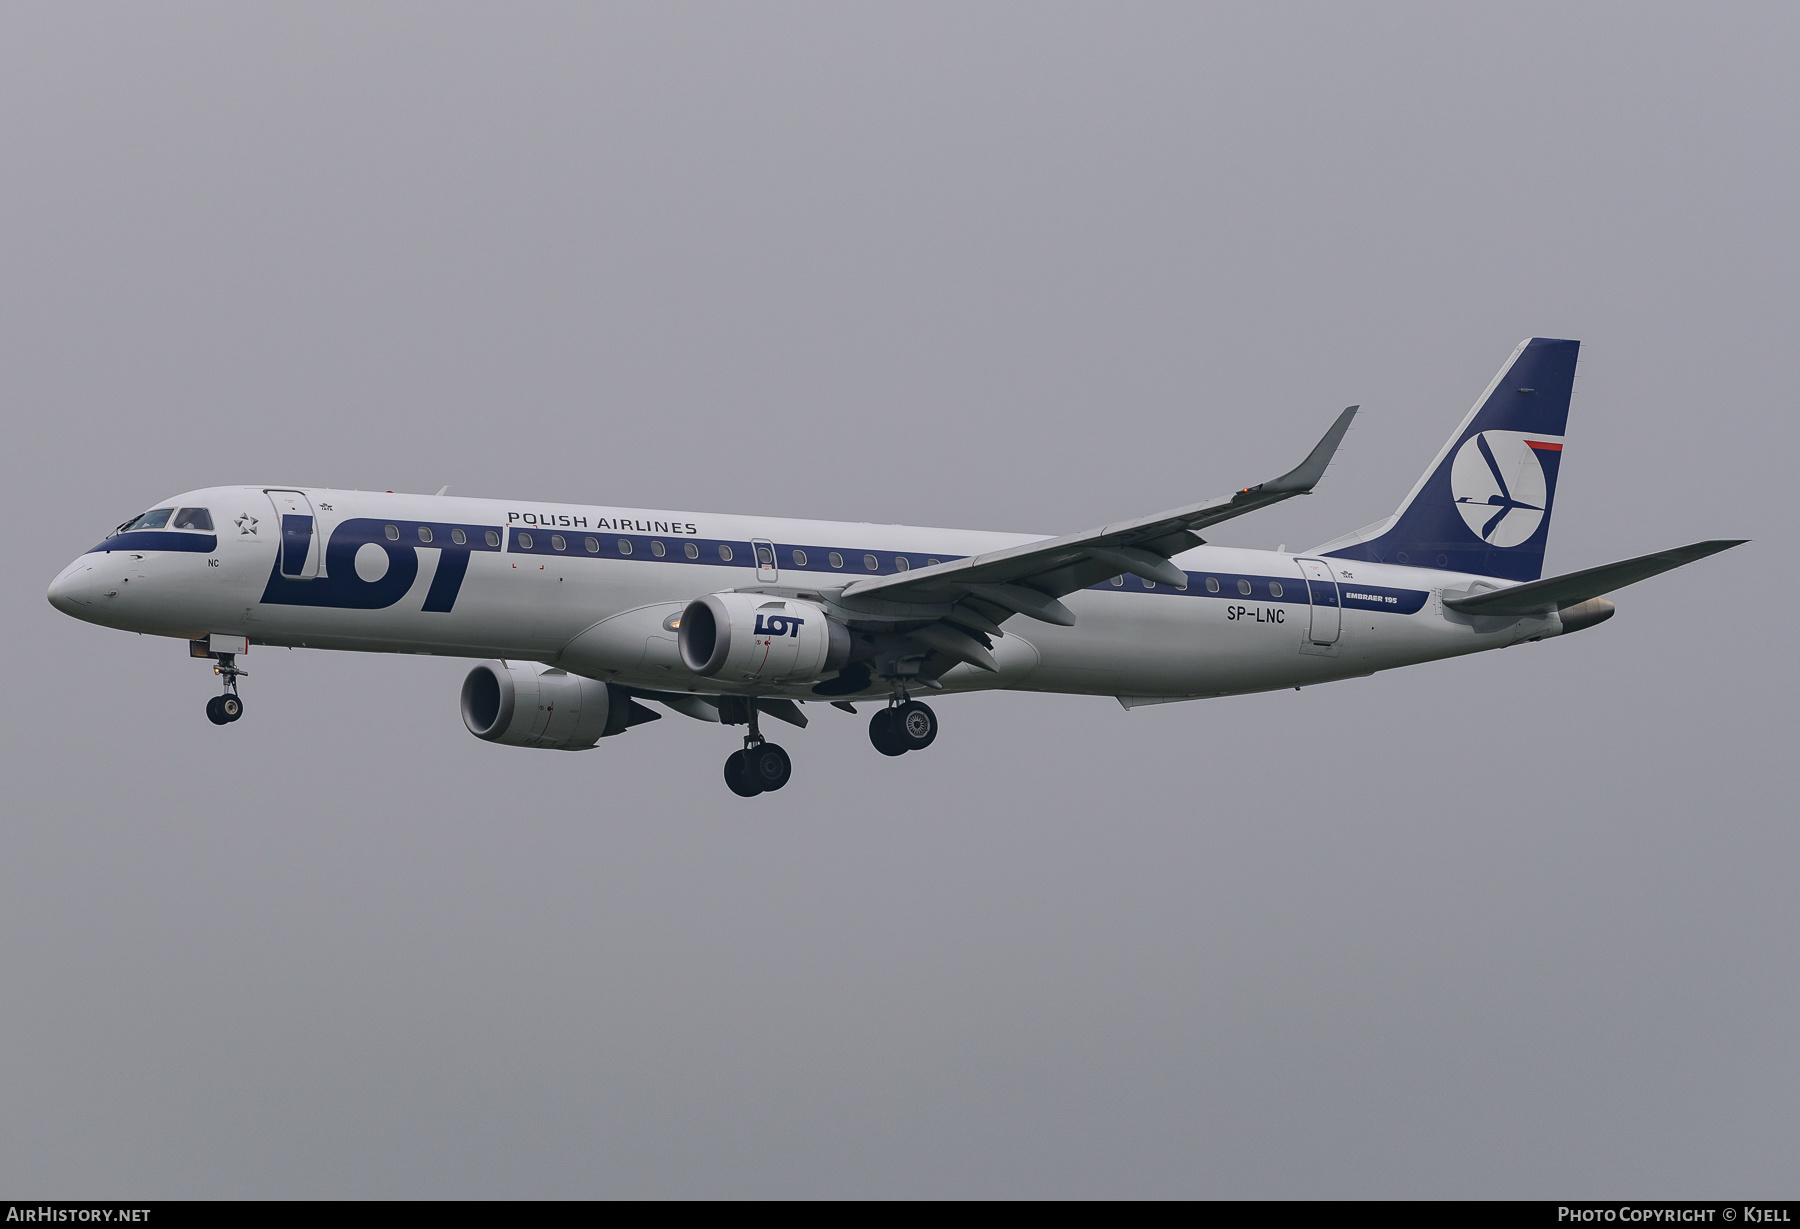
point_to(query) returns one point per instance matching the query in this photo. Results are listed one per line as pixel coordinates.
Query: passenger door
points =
(1327, 606)
(298, 533)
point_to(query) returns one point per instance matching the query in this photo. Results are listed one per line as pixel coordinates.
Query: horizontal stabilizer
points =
(1556, 592)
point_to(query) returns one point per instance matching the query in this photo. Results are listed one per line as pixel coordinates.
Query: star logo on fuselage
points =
(246, 524)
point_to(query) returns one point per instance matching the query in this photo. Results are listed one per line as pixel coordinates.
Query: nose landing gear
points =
(904, 726)
(224, 709)
(761, 767)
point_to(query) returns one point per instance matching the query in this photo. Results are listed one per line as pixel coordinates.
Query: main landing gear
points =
(224, 709)
(905, 725)
(761, 767)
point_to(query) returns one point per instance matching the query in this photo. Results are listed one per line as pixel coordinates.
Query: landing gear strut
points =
(224, 709)
(761, 767)
(904, 725)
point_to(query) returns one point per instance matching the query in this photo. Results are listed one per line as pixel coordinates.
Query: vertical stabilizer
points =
(1484, 504)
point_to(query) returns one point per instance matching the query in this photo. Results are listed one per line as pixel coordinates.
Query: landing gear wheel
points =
(738, 777)
(916, 725)
(226, 708)
(884, 732)
(769, 766)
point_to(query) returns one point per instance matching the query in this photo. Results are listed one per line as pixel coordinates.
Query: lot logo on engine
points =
(778, 625)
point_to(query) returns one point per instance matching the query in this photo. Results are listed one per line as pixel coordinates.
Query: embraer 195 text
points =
(585, 612)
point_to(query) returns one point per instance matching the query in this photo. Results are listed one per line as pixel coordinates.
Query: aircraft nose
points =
(73, 591)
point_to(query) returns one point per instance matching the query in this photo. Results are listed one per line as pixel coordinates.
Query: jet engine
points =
(754, 638)
(527, 704)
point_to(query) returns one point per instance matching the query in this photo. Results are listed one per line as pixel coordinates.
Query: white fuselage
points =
(595, 590)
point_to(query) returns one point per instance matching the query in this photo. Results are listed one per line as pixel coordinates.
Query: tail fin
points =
(1484, 504)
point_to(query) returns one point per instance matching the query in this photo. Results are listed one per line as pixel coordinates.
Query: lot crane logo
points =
(1498, 485)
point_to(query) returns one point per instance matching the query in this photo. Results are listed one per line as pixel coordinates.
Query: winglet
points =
(1304, 477)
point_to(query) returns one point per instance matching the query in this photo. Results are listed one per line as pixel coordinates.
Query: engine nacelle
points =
(753, 638)
(528, 704)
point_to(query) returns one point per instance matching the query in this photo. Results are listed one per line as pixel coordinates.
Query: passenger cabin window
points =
(150, 520)
(1148, 584)
(765, 558)
(1118, 582)
(799, 558)
(836, 560)
(624, 546)
(459, 537)
(658, 549)
(1275, 589)
(424, 533)
(1212, 584)
(558, 542)
(194, 518)
(872, 563)
(932, 563)
(592, 544)
(902, 563)
(690, 550)
(1244, 587)
(524, 541)
(725, 552)
(493, 537)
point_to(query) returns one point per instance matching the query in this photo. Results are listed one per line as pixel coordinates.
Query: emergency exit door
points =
(1327, 604)
(768, 569)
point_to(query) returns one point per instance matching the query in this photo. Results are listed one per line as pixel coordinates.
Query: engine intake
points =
(527, 704)
(749, 637)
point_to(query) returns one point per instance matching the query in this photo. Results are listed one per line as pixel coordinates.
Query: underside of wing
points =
(1029, 579)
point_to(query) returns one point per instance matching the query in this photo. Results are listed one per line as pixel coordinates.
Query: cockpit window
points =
(155, 519)
(193, 518)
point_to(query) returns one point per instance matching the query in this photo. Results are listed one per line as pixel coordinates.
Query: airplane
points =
(584, 615)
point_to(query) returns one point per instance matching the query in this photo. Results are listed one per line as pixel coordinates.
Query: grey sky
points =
(1522, 924)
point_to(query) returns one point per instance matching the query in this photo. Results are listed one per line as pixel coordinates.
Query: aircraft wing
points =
(1028, 579)
(1556, 592)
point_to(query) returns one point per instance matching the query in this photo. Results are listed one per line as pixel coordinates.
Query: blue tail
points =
(1484, 504)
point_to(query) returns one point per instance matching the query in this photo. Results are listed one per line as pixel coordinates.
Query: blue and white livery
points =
(587, 614)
